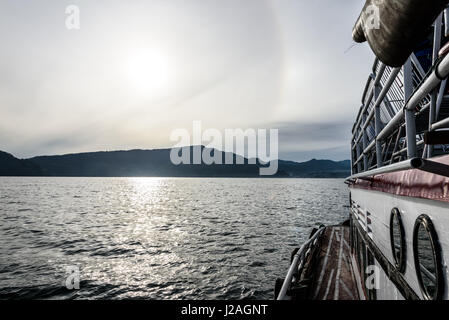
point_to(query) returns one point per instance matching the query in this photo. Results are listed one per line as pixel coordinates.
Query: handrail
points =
(293, 267)
(441, 124)
(376, 80)
(378, 102)
(440, 72)
(394, 98)
(414, 163)
(400, 166)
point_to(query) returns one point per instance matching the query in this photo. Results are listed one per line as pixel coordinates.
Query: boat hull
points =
(371, 212)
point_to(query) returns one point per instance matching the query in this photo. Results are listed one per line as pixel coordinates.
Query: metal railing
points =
(415, 163)
(298, 262)
(399, 105)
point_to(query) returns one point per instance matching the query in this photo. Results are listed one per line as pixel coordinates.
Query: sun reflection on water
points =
(157, 238)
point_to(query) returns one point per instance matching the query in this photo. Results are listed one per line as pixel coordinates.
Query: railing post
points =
(432, 116)
(446, 24)
(434, 94)
(297, 263)
(365, 143)
(410, 124)
(437, 37)
(352, 157)
(359, 164)
(378, 126)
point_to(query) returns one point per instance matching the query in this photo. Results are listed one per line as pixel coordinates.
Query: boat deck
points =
(335, 277)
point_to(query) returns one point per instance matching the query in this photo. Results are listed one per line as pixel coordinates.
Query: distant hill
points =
(136, 163)
(156, 163)
(11, 166)
(316, 168)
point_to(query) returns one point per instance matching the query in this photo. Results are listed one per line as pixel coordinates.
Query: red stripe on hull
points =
(410, 183)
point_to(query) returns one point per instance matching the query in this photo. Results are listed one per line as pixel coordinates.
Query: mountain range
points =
(156, 163)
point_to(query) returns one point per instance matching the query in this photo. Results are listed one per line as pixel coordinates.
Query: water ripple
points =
(148, 238)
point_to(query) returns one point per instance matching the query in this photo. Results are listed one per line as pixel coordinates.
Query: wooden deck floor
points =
(335, 277)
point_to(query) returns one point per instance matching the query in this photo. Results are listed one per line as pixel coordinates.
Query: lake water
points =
(152, 238)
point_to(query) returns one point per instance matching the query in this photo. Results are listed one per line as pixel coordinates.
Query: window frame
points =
(400, 265)
(426, 222)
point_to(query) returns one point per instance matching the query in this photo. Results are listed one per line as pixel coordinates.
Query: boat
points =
(394, 244)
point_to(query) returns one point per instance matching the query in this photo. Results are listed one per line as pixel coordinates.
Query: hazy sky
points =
(136, 70)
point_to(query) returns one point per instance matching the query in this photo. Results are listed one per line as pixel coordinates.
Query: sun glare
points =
(148, 72)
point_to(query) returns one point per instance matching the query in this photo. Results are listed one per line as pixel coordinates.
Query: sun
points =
(148, 72)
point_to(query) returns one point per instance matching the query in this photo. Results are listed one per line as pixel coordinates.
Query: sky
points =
(137, 70)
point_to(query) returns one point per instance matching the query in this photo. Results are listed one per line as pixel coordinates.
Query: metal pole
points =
(365, 144)
(441, 124)
(293, 267)
(396, 144)
(446, 24)
(400, 166)
(378, 126)
(434, 94)
(432, 81)
(432, 112)
(409, 114)
(359, 152)
(352, 157)
(415, 163)
(437, 37)
(440, 97)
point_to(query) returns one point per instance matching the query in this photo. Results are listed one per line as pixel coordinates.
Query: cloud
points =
(232, 64)
(302, 141)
